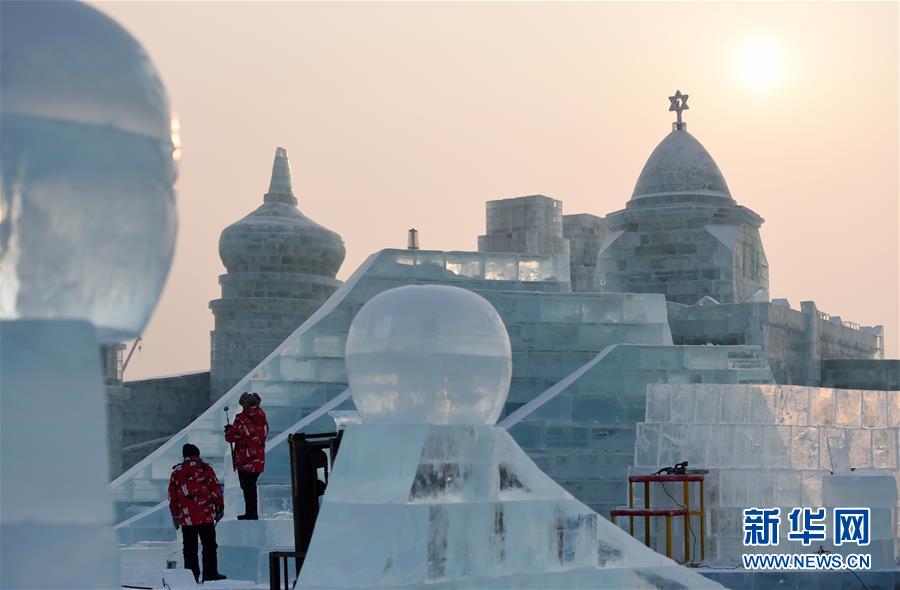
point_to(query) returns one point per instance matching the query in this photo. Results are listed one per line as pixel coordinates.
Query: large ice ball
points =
(87, 223)
(428, 354)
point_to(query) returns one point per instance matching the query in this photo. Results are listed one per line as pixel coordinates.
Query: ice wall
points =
(584, 435)
(765, 445)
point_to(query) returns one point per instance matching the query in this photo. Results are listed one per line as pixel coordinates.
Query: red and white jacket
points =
(248, 433)
(195, 496)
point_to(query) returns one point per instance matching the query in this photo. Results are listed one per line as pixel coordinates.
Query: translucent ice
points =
(848, 407)
(88, 168)
(428, 354)
(821, 401)
(884, 448)
(770, 446)
(464, 506)
(428, 493)
(54, 498)
(876, 490)
(874, 405)
(804, 447)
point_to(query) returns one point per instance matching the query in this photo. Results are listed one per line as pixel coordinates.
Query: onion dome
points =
(277, 237)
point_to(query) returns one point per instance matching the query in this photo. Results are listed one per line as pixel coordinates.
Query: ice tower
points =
(682, 234)
(427, 491)
(281, 267)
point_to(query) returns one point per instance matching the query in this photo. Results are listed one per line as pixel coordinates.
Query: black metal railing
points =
(279, 573)
(309, 453)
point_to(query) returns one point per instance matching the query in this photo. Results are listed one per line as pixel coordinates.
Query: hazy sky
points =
(415, 114)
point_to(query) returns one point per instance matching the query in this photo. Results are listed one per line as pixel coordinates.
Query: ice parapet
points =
(460, 504)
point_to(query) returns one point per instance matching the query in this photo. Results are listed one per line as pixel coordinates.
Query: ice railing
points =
(483, 266)
(836, 319)
(142, 487)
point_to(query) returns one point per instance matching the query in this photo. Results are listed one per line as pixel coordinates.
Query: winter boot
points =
(213, 577)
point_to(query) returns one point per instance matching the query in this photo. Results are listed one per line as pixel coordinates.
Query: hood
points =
(255, 415)
(191, 462)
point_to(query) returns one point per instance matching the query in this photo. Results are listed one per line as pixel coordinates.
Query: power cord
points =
(823, 551)
(690, 526)
(733, 567)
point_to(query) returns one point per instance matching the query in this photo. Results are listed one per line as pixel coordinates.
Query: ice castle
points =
(504, 396)
(668, 348)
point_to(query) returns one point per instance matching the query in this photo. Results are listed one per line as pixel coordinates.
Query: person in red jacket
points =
(248, 434)
(196, 503)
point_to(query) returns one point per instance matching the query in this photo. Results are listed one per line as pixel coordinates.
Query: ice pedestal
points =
(55, 506)
(415, 505)
(244, 546)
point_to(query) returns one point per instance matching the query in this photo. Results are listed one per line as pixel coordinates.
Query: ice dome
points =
(88, 169)
(680, 165)
(277, 237)
(428, 354)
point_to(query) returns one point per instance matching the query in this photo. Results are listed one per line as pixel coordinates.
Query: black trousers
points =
(207, 535)
(247, 480)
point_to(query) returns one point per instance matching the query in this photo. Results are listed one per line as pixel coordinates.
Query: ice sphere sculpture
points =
(428, 493)
(88, 165)
(428, 354)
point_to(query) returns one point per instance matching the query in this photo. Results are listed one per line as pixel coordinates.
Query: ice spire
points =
(281, 187)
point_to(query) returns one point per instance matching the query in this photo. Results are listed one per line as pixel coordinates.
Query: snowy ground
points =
(143, 567)
(178, 579)
(181, 579)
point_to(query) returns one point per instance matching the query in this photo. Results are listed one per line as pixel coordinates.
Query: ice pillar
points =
(55, 508)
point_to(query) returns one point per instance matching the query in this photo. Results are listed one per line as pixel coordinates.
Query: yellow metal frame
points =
(687, 519)
(647, 532)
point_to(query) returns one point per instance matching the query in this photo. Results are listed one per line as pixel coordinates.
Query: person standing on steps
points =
(248, 434)
(196, 503)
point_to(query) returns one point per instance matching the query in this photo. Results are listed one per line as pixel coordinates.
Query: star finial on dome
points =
(678, 103)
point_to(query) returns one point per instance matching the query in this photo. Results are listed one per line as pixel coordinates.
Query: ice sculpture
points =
(88, 166)
(87, 227)
(428, 354)
(427, 491)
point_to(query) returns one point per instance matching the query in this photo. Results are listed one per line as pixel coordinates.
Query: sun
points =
(760, 64)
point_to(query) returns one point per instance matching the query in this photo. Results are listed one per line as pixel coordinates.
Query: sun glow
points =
(760, 64)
